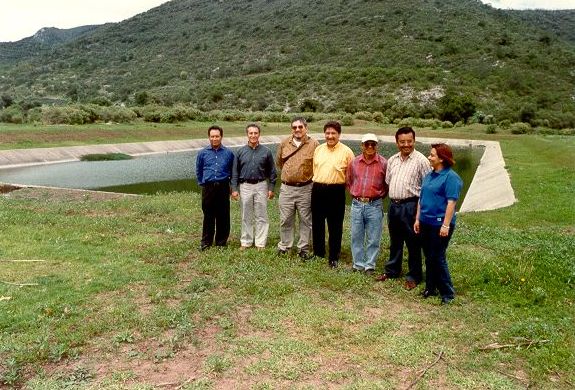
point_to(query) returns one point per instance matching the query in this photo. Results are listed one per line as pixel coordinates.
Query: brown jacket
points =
(299, 167)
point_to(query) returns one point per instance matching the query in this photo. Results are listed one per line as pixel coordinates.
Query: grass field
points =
(113, 293)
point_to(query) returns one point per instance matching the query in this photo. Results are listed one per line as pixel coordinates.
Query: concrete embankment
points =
(490, 189)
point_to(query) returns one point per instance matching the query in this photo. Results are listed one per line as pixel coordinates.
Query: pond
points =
(173, 171)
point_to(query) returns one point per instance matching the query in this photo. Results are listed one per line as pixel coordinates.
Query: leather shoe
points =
(369, 272)
(410, 284)
(446, 300)
(428, 293)
(282, 252)
(333, 263)
(382, 277)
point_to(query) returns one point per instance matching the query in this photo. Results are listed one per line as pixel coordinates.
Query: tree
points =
(455, 108)
(6, 101)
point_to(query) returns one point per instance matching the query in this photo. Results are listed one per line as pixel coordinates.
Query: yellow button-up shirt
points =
(330, 164)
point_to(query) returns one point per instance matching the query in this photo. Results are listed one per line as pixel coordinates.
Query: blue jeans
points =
(437, 275)
(366, 228)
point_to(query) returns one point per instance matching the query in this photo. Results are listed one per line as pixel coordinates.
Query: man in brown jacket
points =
(295, 160)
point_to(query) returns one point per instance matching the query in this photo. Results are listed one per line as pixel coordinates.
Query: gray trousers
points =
(294, 200)
(254, 207)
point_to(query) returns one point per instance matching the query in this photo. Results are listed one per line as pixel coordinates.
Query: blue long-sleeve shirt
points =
(254, 164)
(213, 165)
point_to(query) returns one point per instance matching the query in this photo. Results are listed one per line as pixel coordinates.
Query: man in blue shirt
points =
(214, 170)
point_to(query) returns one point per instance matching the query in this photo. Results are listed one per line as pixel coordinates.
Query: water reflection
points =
(174, 171)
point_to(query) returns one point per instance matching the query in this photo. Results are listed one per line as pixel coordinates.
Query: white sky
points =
(531, 4)
(23, 18)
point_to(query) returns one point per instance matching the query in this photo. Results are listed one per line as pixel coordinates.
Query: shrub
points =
(69, 115)
(491, 129)
(12, 114)
(505, 124)
(520, 128)
(364, 116)
(105, 157)
(455, 108)
(446, 124)
(117, 114)
(380, 118)
(347, 120)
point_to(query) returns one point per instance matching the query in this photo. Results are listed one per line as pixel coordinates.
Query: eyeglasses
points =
(370, 144)
(297, 127)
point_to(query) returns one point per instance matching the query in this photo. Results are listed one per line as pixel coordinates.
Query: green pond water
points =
(173, 171)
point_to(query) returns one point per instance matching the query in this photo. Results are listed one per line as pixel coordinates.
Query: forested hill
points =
(399, 58)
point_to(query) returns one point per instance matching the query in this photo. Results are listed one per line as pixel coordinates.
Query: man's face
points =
(369, 149)
(331, 136)
(215, 138)
(405, 144)
(253, 136)
(298, 129)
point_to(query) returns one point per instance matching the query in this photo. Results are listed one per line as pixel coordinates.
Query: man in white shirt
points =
(405, 172)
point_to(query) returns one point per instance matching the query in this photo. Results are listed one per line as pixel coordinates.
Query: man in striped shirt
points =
(405, 172)
(365, 181)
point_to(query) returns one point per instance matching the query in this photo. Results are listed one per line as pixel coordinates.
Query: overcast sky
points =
(23, 18)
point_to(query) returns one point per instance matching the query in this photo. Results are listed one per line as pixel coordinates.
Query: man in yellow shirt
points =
(330, 161)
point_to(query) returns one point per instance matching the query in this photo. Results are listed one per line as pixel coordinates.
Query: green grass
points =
(105, 157)
(121, 285)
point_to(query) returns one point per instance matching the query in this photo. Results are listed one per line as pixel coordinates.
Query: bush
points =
(446, 124)
(520, 128)
(505, 124)
(12, 114)
(69, 115)
(491, 129)
(347, 120)
(455, 108)
(116, 114)
(380, 118)
(364, 116)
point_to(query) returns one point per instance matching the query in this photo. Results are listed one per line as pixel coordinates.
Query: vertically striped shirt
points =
(404, 177)
(366, 179)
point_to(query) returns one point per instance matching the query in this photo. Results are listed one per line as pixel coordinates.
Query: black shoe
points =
(428, 293)
(282, 252)
(204, 247)
(333, 263)
(304, 256)
(369, 272)
(446, 300)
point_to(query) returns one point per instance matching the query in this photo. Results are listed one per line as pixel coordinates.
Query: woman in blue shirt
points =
(435, 220)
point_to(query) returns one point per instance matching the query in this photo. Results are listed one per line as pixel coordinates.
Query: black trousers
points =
(401, 218)
(327, 204)
(216, 209)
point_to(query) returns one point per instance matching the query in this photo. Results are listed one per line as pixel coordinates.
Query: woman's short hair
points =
(445, 153)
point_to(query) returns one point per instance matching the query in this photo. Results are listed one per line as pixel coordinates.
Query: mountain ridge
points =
(343, 55)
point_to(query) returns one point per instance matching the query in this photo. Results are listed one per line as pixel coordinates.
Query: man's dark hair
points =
(254, 125)
(334, 125)
(300, 119)
(404, 130)
(214, 127)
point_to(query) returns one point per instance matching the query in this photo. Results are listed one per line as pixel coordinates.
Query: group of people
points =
(314, 179)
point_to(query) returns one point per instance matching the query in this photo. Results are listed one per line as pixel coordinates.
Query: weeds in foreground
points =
(104, 295)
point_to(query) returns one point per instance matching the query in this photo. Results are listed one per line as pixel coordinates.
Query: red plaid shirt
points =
(367, 179)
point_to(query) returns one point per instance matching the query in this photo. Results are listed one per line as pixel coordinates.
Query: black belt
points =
(300, 184)
(251, 181)
(216, 183)
(316, 184)
(406, 200)
(366, 199)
